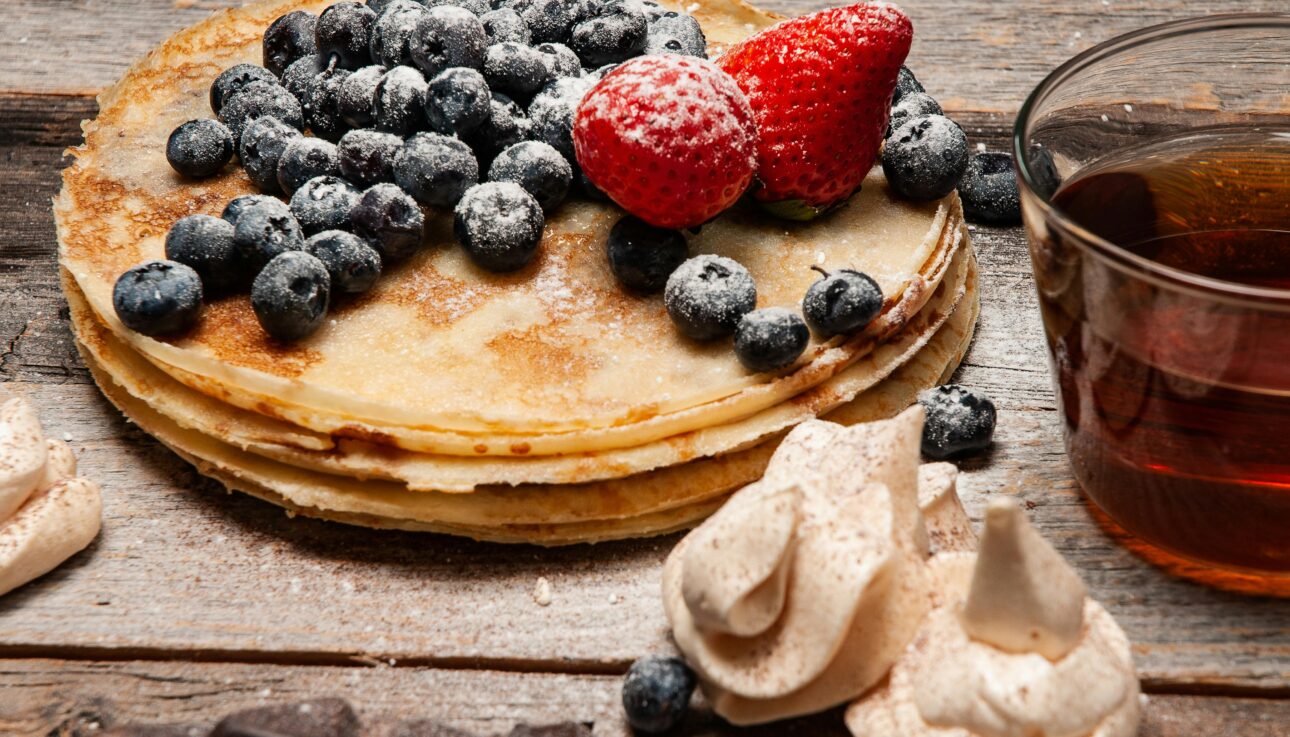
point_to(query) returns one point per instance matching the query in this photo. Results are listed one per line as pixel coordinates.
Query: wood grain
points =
(79, 699)
(185, 570)
(982, 55)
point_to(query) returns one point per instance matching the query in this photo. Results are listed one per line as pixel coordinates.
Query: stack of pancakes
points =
(546, 406)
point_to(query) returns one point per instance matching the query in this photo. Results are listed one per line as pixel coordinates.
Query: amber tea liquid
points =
(1178, 402)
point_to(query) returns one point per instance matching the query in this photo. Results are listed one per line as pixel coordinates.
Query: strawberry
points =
(671, 139)
(820, 88)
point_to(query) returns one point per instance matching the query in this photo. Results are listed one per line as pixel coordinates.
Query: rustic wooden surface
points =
(194, 602)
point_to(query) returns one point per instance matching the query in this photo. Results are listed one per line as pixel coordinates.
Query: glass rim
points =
(1125, 259)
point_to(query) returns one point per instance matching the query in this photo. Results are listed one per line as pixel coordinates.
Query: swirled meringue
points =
(46, 513)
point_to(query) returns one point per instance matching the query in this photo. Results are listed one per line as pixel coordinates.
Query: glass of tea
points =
(1155, 188)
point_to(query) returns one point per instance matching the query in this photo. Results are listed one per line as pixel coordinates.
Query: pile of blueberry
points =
(925, 157)
(443, 104)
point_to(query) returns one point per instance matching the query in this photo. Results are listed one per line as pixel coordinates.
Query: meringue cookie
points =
(802, 591)
(951, 683)
(46, 513)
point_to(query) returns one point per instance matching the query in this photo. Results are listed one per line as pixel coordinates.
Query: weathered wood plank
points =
(184, 570)
(52, 697)
(971, 54)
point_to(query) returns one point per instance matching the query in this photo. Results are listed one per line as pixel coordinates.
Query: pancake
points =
(645, 504)
(442, 357)
(281, 441)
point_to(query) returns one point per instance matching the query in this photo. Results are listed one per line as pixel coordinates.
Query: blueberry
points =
(653, 11)
(536, 167)
(842, 302)
(435, 169)
(1043, 170)
(457, 101)
(390, 220)
(158, 298)
(235, 78)
(324, 203)
(552, 112)
(707, 296)
(205, 244)
(316, 81)
(263, 231)
(676, 33)
(352, 265)
(506, 125)
(505, 25)
(906, 83)
(643, 256)
(261, 150)
(398, 105)
(912, 105)
(199, 148)
(550, 20)
(561, 60)
(499, 225)
(344, 30)
(925, 157)
(770, 339)
(476, 7)
(989, 189)
(959, 421)
(656, 693)
(516, 69)
(393, 31)
(367, 156)
(446, 37)
(616, 33)
(238, 204)
(305, 158)
(290, 295)
(287, 39)
(357, 94)
(260, 100)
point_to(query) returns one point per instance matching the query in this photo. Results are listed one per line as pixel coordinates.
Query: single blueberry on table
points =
(435, 169)
(959, 421)
(707, 296)
(264, 231)
(675, 33)
(447, 37)
(457, 101)
(515, 69)
(504, 24)
(290, 295)
(617, 32)
(398, 103)
(770, 339)
(352, 265)
(233, 79)
(199, 148)
(260, 100)
(204, 243)
(287, 39)
(656, 693)
(642, 256)
(538, 168)
(925, 158)
(344, 30)
(357, 94)
(303, 159)
(238, 204)
(261, 151)
(158, 298)
(842, 302)
(367, 156)
(989, 189)
(324, 203)
(499, 225)
(390, 220)
(393, 31)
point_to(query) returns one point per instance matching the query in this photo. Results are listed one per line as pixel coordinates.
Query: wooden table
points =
(194, 603)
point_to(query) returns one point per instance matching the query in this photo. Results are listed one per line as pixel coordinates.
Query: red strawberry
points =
(669, 138)
(820, 87)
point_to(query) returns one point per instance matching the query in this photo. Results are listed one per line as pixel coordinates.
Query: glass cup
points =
(1173, 380)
